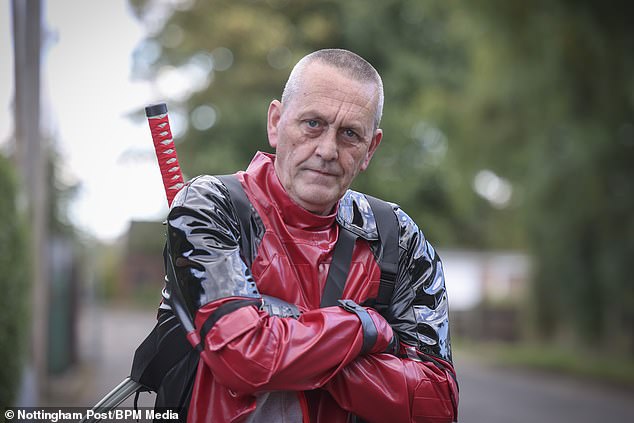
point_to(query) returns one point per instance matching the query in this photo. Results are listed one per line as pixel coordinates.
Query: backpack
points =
(166, 363)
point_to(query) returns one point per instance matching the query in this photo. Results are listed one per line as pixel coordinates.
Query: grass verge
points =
(555, 359)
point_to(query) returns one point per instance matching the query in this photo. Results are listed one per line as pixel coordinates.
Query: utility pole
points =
(32, 155)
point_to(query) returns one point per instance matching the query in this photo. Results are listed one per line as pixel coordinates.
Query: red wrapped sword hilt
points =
(165, 150)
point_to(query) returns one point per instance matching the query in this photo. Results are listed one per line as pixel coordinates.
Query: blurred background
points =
(509, 138)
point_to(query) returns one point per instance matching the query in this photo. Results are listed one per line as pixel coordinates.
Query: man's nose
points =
(327, 146)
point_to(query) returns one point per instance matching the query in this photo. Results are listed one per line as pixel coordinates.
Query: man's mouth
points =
(323, 172)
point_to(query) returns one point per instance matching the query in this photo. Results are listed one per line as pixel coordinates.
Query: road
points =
(488, 394)
(496, 395)
(108, 338)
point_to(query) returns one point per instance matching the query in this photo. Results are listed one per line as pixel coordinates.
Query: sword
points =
(165, 149)
(172, 182)
(172, 176)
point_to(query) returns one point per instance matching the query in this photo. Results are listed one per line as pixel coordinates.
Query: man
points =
(270, 353)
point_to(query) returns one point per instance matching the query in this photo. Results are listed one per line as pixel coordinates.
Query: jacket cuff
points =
(374, 339)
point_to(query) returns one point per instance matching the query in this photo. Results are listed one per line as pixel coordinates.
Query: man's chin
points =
(318, 200)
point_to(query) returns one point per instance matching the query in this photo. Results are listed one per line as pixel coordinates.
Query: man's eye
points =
(312, 123)
(350, 134)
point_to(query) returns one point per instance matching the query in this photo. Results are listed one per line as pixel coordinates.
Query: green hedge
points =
(14, 286)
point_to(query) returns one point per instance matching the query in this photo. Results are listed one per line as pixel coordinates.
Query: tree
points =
(554, 98)
(14, 285)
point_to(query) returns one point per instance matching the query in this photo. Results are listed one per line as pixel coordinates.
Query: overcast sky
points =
(87, 91)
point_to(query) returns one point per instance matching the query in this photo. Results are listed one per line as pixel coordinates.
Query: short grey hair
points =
(352, 65)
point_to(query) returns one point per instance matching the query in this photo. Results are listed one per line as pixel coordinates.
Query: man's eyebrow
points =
(311, 113)
(357, 126)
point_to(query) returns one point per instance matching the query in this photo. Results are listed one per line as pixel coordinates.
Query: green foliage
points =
(60, 197)
(108, 259)
(559, 109)
(540, 94)
(14, 287)
(614, 370)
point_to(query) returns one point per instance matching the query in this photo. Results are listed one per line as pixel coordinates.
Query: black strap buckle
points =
(280, 308)
(370, 334)
(350, 306)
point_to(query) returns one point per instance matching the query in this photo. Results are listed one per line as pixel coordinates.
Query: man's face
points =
(324, 136)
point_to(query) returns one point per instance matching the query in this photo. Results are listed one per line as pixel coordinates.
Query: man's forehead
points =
(317, 71)
(334, 101)
(324, 86)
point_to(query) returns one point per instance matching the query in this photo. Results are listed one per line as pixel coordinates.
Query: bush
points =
(14, 287)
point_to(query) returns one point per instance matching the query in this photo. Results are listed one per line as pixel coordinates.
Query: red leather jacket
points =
(257, 365)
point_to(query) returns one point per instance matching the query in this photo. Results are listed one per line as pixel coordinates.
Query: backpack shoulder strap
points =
(244, 210)
(388, 228)
(339, 268)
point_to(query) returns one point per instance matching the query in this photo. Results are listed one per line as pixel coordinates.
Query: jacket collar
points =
(262, 171)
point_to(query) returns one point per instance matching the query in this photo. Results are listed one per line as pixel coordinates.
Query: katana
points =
(172, 182)
(172, 176)
(165, 150)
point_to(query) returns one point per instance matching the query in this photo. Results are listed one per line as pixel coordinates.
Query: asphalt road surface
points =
(496, 395)
(488, 394)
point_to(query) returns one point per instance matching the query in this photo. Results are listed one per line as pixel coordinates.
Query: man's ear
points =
(273, 119)
(376, 140)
